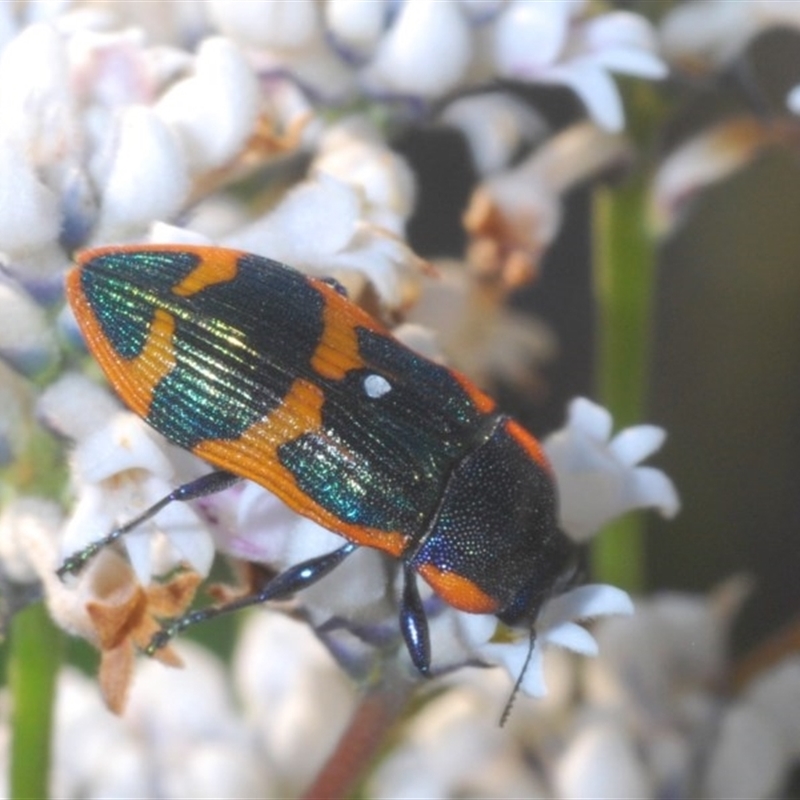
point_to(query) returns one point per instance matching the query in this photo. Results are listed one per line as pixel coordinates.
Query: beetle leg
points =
(206, 484)
(288, 582)
(414, 623)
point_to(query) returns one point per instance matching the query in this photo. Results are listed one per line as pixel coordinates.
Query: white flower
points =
(425, 53)
(191, 748)
(26, 338)
(36, 105)
(295, 696)
(353, 152)
(358, 24)
(452, 748)
(30, 217)
(141, 173)
(213, 111)
(514, 215)
(557, 626)
(659, 663)
(121, 468)
(775, 694)
(597, 476)
(747, 761)
(603, 762)
(716, 31)
(793, 100)
(496, 125)
(703, 160)
(263, 529)
(546, 43)
(29, 528)
(271, 23)
(319, 227)
(113, 69)
(485, 341)
(15, 404)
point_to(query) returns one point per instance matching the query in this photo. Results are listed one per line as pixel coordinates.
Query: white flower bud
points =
(143, 177)
(426, 52)
(356, 23)
(214, 111)
(269, 23)
(29, 211)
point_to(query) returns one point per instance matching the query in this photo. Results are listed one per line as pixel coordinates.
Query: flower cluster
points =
(267, 126)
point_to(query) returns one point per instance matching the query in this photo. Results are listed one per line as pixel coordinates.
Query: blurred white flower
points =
(141, 174)
(730, 775)
(295, 696)
(353, 152)
(710, 33)
(26, 338)
(190, 749)
(425, 53)
(775, 694)
(37, 113)
(16, 399)
(270, 24)
(215, 110)
(496, 125)
(514, 215)
(113, 69)
(627, 724)
(356, 24)
(552, 43)
(707, 158)
(452, 749)
(29, 530)
(476, 334)
(659, 662)
(602, 762)
(598, 477)
(30, 219)
(793, 100)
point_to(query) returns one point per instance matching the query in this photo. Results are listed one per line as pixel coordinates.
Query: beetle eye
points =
(376, 386)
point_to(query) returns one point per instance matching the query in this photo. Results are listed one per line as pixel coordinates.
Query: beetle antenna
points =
(515, 691)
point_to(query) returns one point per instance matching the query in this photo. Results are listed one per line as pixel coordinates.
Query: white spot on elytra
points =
(376, 386)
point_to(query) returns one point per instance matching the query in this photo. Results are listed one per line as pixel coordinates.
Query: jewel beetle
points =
(279, 378)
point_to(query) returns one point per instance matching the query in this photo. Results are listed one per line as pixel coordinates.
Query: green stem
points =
(34, 658)
(624, 275)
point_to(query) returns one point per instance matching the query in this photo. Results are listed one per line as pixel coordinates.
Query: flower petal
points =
(595, 87)
(588, 602)
(426, 51)
(572, 637)
(145, 176)
(214, 111)
(529, 36)
(636, 443)
(590, 418)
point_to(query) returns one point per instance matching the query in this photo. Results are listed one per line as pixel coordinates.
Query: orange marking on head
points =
(459, 592)
(254, 456)
(529, 444)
